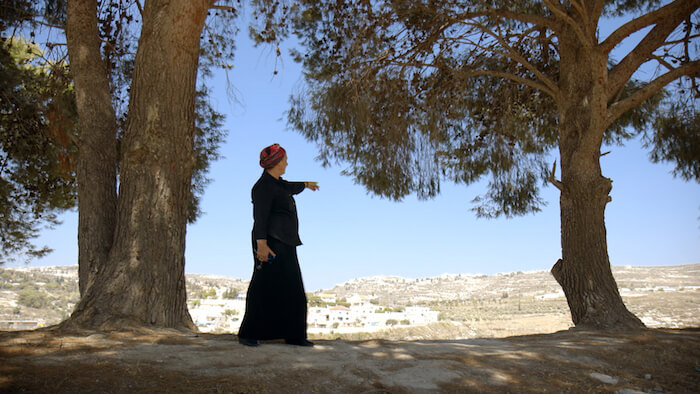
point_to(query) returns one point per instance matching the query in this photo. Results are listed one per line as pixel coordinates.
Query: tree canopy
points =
(412, 93)
(39, 133)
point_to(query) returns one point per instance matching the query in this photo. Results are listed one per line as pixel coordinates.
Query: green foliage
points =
(230, 294)
(315, 301)
(395, 104)
(37, 134)
(408, 94)
(33, 298)
(208, 137)
(391, 322)
(622, 7)
(342, 301)
(211, 293)
(390, 309)
(13, 12)
(230, 312)
(405, 322)
(677, 139)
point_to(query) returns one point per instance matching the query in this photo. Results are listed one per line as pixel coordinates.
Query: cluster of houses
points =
(356, 314)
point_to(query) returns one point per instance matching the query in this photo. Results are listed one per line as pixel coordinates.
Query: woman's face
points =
(282, 165)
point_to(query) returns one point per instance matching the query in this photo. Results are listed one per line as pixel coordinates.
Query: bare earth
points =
(651, 361)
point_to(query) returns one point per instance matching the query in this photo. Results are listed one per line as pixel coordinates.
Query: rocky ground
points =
(651, 361)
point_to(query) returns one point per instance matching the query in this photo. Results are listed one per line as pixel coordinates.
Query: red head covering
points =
(270, 156)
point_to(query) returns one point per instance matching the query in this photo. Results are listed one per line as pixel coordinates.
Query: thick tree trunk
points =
(143, 282)
(97, 160)
(584, 270)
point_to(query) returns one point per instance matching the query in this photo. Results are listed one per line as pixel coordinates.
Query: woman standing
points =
(276, 301)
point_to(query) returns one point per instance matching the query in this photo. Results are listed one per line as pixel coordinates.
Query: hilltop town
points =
(446, 306)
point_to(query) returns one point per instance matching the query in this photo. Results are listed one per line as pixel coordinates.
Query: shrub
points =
(230, 294)
(33, 298)
(211, 293)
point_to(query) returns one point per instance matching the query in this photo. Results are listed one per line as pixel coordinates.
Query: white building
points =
(362, 315)
(420, 315)
(211, 314)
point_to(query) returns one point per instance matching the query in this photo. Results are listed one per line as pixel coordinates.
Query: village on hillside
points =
(41, 296)
(331, 314)
(445, 306)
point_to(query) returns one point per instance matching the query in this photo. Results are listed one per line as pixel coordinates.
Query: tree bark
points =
(97, 159)
(584, 271)
(143, 283)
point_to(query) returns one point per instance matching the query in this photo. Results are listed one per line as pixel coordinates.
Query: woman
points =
(276, 301)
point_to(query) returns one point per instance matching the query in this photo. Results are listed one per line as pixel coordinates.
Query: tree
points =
(135, 238)
(132, 240)
(39, 118)
(230, 294)
(211, 293)
(412, 93)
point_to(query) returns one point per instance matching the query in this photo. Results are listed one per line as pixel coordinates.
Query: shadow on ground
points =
(170, 361)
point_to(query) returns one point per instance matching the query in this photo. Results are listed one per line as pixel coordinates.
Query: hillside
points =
(520, 303)
(470, 305)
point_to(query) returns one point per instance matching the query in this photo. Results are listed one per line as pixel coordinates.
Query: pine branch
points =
(666, 24)
(37, 19)
(570, 21)
(662, 62)
(617, 109)
(222, 7)
(547, 85)
(533, 19)
(140, 7)
(643, 21)
(512, 77)
(553, 180)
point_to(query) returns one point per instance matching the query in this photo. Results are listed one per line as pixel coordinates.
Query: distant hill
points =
(488, 305)
(397, 290)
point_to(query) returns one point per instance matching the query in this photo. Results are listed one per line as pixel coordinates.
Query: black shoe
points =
(248, 342)
(299, 342)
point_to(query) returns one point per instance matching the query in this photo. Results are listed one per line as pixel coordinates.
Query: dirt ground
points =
(651, 361)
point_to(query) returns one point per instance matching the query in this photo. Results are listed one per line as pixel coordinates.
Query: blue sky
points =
(653, 219)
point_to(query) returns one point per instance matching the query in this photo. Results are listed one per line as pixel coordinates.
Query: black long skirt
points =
(276, 301)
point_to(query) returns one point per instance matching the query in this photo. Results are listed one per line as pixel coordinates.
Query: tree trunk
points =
(584, 270)
(143, 282)
(97, 160)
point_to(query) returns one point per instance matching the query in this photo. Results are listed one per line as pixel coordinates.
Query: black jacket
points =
(274, 209)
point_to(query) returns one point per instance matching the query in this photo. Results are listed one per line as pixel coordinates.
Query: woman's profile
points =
(276, 301)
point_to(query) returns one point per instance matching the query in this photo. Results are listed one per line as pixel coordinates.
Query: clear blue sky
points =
(653, 219)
